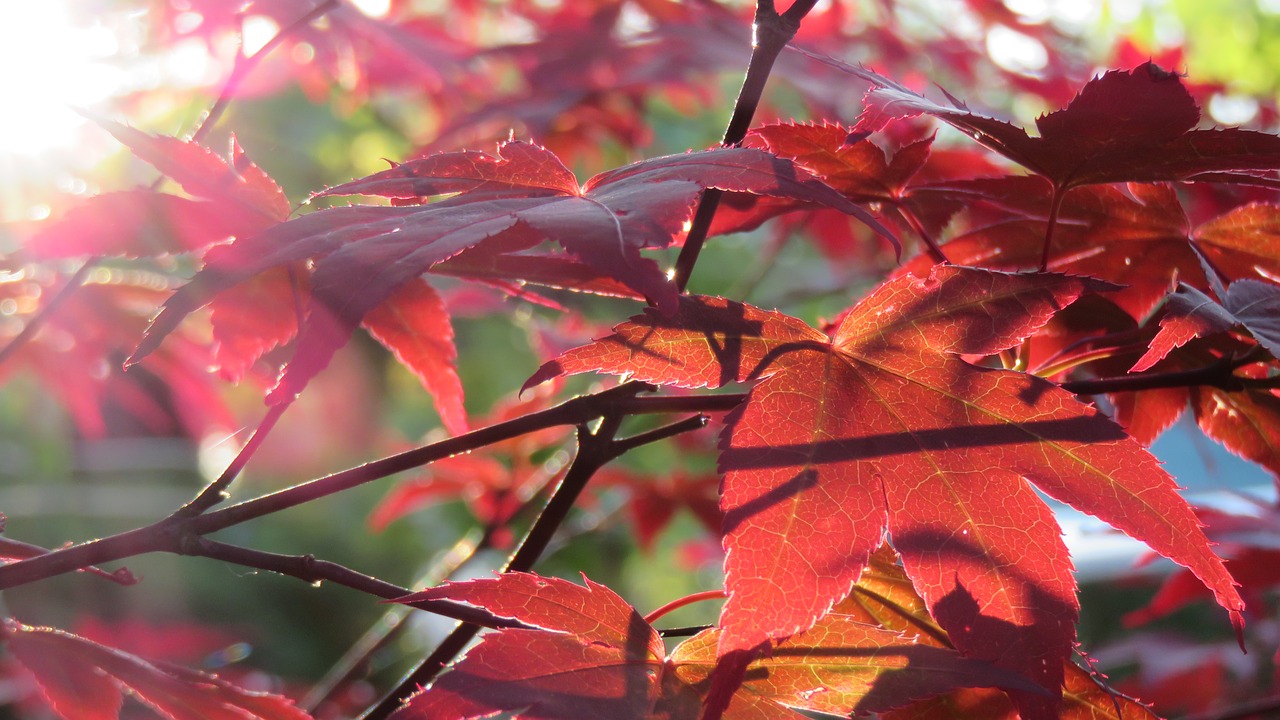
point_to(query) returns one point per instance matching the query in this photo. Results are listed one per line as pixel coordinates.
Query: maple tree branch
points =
(619, 400)
(697, 422)
(16, 549)
(595, 449)
(935, 251)
(685, 631)
(42, 316)
(771, 33)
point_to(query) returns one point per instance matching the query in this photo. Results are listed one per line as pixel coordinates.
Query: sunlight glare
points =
(48, 65)
(373, 8)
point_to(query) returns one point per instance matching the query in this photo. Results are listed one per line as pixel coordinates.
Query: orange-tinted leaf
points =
(883, 427)
(859, 170)
(84, 681)
(711, 342)
(1247, 423)
(842, 665)
(1083, 698)
(414, 325)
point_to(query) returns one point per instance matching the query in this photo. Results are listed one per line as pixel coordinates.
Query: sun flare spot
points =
(50, 64)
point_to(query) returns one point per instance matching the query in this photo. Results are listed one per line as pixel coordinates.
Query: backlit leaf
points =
(882, 428)
(414, 325)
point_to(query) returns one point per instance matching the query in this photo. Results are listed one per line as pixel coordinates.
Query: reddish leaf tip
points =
(549, 371)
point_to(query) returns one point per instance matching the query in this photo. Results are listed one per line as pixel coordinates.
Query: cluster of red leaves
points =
(894, 423)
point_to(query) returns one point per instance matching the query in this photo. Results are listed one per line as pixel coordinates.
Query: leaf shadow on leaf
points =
(734, 517)
(981, 636)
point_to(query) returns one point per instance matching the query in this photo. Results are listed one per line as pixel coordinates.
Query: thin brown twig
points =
(311, 569)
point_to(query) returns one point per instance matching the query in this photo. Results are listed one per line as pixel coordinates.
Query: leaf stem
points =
(1083, 358)
(1055, 206)
(914, 221)
(678, 603)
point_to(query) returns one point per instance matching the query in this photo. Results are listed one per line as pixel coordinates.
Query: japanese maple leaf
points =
(1249, 542)
(520, 198)
(1136, 125)
(83, 680)
(654, 501)
(228, 198)
(586, 653)
(861, 171)
(881, 426)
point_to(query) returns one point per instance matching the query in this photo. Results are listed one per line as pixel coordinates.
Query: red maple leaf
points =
(519, 199)
(77, 354)
(881, 426)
